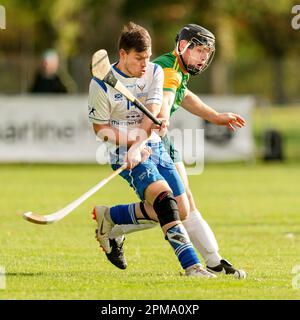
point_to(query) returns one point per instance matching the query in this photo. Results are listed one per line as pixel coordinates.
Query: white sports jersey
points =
(108, 106)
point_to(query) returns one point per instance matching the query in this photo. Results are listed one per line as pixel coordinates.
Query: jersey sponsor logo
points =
(117, 123)
(133, 118)
(133, 115)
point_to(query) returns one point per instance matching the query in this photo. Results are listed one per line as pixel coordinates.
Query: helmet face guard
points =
(196, 36)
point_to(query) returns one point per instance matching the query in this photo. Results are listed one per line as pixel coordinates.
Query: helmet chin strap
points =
(184, 49)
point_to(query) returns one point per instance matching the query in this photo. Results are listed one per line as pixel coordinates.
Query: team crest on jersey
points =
(141, 86)
(118, 97)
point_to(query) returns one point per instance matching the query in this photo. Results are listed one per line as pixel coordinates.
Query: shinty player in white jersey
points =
(130, 139)
(194, 51)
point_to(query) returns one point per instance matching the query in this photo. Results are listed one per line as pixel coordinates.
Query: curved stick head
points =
(100, 64)
(35, 218)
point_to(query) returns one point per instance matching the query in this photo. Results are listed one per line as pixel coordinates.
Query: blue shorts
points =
(159, 166)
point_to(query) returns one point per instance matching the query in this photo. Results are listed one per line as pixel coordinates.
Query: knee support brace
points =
(144, 212)
(166, 208)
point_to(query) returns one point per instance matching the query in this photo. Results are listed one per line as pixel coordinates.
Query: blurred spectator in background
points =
(47, 79)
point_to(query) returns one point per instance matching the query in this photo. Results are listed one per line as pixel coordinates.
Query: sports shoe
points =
(196, 270)
(105, 224)
(227, 268)
(116, 255)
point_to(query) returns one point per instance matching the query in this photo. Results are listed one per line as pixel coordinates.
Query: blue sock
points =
(123, 214)
(184, 250)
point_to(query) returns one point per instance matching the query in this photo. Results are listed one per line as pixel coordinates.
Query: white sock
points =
(119, 230)
(202, 238)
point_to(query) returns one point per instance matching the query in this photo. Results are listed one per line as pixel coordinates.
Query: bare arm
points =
(168, 100)
(196, 106)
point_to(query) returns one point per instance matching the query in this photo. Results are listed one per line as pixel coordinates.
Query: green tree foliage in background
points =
(257, 32)
(269, 23)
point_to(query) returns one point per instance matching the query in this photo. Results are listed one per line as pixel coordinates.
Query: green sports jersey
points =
(176, 77)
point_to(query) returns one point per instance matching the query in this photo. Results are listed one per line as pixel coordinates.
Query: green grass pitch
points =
(253, 210)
